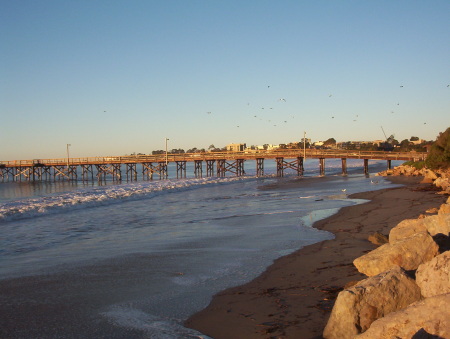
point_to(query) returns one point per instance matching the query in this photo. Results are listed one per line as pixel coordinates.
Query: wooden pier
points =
(217, 164)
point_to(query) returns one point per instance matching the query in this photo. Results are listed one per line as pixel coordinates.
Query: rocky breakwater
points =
(407, 292)
(439, 178)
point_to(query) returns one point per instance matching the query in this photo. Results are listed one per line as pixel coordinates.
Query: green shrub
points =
(416, 164)
(439, 156)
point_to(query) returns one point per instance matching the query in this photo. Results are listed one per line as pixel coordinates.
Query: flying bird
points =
(282, 100)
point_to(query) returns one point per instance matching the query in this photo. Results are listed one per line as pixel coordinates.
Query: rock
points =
(433, 277)
(357, 307)
(428, 318)
(378, 239)
(444, 209)
(432, 210)
(429, 174)
(408, 253)
(442, 183)
(426, 181)
(405, 229)
(437, 224)
(434, 224)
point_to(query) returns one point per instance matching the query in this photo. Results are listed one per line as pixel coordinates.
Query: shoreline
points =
(293, 298)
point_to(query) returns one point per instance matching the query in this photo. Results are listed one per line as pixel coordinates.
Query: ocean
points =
(136, 259)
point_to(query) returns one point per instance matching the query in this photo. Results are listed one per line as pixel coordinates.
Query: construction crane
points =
(387, 145)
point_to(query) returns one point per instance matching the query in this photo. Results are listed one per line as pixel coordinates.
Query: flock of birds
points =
(276, 121)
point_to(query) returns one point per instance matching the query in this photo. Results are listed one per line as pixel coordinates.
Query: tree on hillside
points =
(414, 139)
(330, 142)
(404, 145)
(439, 156)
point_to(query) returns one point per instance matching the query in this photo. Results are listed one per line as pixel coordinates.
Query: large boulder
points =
(434, 224)
(357, 307)
(429, 174)
(433, 277)
(445, 208)
(405, 229)
(408, 253)
(437, 224)
(428, 318)
(442, 183)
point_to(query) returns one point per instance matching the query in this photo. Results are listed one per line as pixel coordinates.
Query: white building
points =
(236, 147)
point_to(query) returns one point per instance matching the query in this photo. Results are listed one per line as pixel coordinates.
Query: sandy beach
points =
(294, 296)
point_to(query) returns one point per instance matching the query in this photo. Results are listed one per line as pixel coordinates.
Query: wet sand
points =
(294, 296)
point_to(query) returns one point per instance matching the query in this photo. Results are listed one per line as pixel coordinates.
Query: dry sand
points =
(294, 296)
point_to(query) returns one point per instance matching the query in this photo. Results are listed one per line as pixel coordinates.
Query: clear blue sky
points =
(117, 77)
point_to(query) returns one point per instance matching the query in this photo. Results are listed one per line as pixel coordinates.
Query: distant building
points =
(271, 147)
(378, 142)
(418, 142)
(236, 147)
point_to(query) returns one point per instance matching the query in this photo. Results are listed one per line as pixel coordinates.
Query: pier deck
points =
(217, 163)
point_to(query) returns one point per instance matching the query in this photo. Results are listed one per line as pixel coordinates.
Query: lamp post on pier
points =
(304, 145)
(166, 152)
(68, 158)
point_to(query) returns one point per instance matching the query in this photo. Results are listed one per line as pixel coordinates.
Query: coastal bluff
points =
(407, 290)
